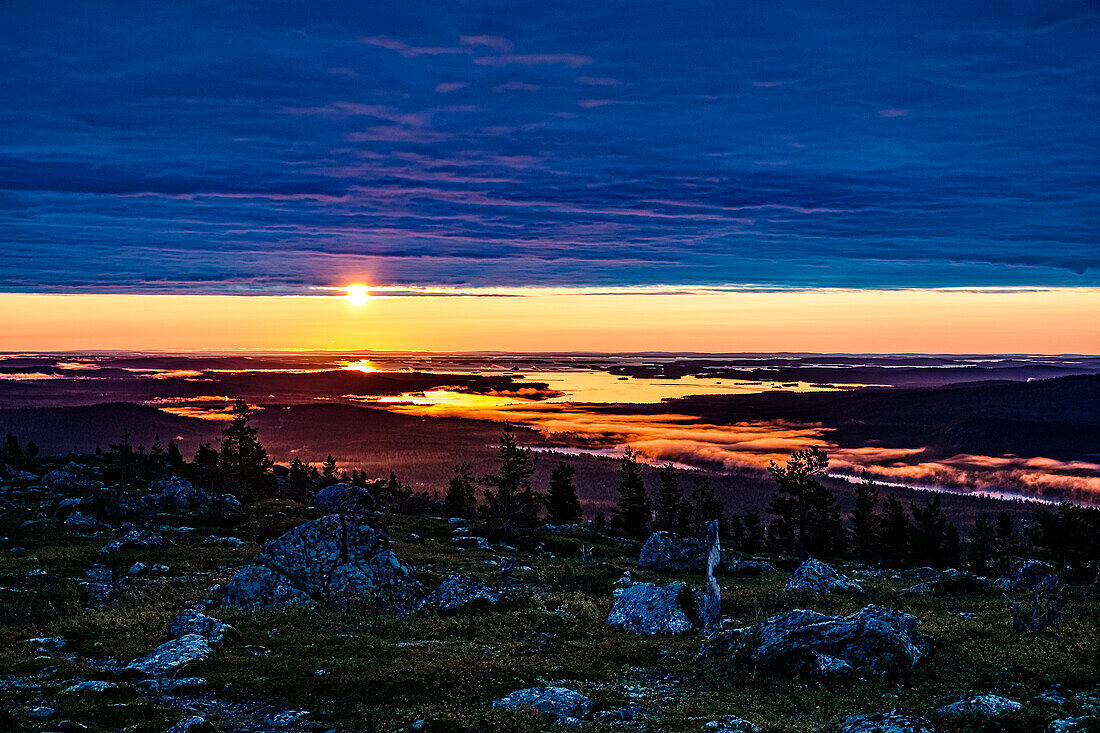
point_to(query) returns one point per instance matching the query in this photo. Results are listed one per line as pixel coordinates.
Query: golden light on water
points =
(358, 294)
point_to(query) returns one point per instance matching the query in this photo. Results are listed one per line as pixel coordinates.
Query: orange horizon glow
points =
(1029, 321)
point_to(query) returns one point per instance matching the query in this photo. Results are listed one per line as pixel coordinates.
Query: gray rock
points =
(950, 584)
(1027, 574)
(561, 702)
(814, 576)
(223, 506)
(471, 543)
(645, 608)
(213, 541)
(458, 592)
(982, 707)
(193, 621)
(69, 504)
(90, 686)
(172, 685)
(345, 499)
(1083, 724)
(895, 721)
(178, 495)
(875, 639)
(172, 655)
(41, 711)
(665, 551)
(83, 523)
(134, 538)
(71, 477)
(730, 724)
(193, 724)
(327, 560)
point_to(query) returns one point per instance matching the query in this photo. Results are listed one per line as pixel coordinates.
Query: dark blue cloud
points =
(273, 147)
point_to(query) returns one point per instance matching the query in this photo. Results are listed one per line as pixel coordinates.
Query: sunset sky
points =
(609, 175)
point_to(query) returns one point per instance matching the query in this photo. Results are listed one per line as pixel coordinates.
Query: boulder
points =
(895, 721)
(175, 494)
(645, 608)
(1027, 574)
(568, 706)
(193, 621)
(171, 656)
(90, 686)
(117, 507)
(223, 507)
(459, 592)
(345, 499)
(193, 724)
(814, 576)
(134, 538)
(668, 552)
(952, 582)
(83, 523)
(71, 477)
(1083, 724)
(213, 541)
(327, 560)
(875, 639)
(468, 542)
(982, 707)
(730, 724)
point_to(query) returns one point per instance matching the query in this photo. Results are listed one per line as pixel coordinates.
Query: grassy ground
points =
(355, 669)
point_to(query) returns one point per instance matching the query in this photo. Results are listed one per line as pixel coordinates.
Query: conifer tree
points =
(297, 480)
(669, 510)
(895, 532)
(981, 547)
(752, 531)
(929, 533)
(562, 504)
(631, 515)
(511, 505)
(328, 471)
(242, 461)
(461, 496)
(707, 506)
(866, 522)
(805, 505)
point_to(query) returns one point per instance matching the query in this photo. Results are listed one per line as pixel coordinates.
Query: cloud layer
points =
(248, 147)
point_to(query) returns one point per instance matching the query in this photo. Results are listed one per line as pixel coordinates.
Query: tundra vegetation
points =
(114, 568)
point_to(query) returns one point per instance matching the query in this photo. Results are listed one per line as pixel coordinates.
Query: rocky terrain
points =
(167, 609)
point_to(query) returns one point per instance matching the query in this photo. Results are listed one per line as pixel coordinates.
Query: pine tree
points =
(242, 461)
(866, 521)
(928, 535)
(461, 496)
(895, 533)
(707, 506)
(157, 457)
(805, 505)
(328, 471)
(204, 467)
(174, 458)
(669, 510)
(511, 505)
(297, 480)
(123, 454)
(562, 504)
(12, 454)
(952, 546)
(981, 547)
(631, 515)
(752, 540)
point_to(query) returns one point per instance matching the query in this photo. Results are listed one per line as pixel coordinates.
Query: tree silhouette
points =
(461, 497)
(511, 505)
(242, 461)
(804, 505)
(669, 507)
(631, 514)
(562, 504)
(866, 521)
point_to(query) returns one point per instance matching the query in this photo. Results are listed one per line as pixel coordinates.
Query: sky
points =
(290, 148)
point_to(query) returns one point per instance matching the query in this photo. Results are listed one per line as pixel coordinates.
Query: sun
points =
(358, 294)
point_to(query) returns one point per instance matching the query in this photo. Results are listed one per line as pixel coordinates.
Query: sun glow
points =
(358, 294)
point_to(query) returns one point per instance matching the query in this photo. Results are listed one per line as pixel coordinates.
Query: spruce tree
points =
(297, 480)
(707, 506)
(895, 531)
(461, 496)
(242, 461)
(511, 505)
(668, 508)
(562, 504)
(631, 515)
(929, 533)
(752, 537)
(866, 521)
(328, 471)
(981, 547)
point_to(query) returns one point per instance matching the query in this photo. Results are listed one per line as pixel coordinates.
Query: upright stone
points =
(712, 600)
